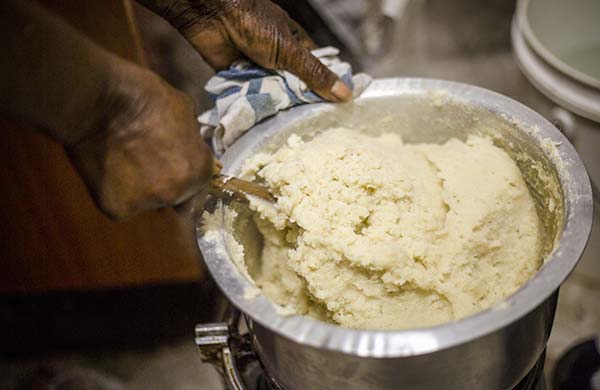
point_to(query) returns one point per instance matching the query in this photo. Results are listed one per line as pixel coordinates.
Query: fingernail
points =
(341, 91)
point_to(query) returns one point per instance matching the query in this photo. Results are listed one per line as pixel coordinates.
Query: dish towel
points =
(246, 93)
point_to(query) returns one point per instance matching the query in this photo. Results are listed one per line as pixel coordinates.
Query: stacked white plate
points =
(556, 44)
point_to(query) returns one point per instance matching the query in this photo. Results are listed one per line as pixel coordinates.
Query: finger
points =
(208, 164)
(296, 59)
(193, 206)
(215, 48)
(221, 59)
(193, 200)
(301, 35)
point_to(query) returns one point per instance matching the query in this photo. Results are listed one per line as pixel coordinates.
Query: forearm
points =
(52, 75)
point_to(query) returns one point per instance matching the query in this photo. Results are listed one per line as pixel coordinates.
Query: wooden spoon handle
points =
(231, 187)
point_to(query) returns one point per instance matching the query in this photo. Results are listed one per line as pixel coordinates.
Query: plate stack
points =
(557, 47)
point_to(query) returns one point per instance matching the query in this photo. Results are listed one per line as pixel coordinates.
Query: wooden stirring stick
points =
(229, 187)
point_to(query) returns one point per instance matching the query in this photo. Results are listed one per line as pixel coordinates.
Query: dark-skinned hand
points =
(133, 138)
(223, 31)
(149, 153)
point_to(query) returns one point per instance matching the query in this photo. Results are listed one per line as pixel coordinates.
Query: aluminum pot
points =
(490, 350)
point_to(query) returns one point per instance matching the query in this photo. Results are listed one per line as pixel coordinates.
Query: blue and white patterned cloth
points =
(246, 93)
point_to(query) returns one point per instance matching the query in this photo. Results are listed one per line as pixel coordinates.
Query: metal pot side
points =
(492, 349)
(495, 361)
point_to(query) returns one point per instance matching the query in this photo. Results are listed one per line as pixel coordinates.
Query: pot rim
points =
(308, 331)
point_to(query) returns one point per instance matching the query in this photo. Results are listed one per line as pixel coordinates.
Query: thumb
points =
(299, 61)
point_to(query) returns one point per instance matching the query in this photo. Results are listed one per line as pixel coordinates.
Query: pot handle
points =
(220, 344)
